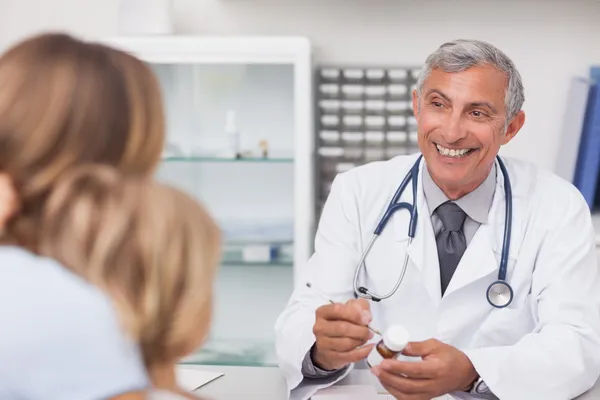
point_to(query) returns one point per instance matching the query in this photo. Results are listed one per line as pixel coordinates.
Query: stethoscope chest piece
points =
(500, 294)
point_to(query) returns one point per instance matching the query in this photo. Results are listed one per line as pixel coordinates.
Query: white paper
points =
(190, 378)
(347, 392)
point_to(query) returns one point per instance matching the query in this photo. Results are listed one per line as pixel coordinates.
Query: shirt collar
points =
(476, 204)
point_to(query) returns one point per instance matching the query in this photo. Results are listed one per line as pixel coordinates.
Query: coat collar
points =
(482, 256)
(476, 204)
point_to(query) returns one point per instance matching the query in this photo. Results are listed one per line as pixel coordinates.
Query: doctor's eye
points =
(478, 114)
(437, 104)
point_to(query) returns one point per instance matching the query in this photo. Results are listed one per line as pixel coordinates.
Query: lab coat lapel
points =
(478, 260)
(424, 254)
(423, 250)
(482, 256)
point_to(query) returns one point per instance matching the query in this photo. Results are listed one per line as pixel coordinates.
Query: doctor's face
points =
(461, 120)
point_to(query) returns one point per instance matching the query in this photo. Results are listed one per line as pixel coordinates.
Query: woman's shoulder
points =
(40, 295)
(31, 283)
(57, 325)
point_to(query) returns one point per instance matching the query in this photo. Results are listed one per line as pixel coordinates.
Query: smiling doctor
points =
(499, 288)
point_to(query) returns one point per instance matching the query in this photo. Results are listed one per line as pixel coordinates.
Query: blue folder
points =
(588, 159)
(595, 74)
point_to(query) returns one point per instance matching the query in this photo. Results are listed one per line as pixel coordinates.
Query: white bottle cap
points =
(395, 338)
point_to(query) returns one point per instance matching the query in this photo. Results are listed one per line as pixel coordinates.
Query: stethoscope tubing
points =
(395, 205)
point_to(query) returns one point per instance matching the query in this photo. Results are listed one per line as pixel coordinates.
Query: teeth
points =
(452, 152)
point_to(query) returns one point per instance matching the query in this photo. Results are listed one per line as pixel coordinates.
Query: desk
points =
(264, 383)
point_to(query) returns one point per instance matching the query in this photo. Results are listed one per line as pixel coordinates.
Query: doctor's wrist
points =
(470, 387)
(472, 379)
(319, 361)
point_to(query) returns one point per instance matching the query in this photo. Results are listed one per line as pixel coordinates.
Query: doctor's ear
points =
(9, 203)
(514, 127)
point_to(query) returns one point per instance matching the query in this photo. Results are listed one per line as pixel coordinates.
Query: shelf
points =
(277, 264)
(280, 160)
(258, 254)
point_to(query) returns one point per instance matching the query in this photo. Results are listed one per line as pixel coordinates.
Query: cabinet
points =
(264, 203)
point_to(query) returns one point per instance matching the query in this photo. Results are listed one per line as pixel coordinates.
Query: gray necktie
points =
(451, 243)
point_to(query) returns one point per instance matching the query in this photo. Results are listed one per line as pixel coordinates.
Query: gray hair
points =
(459, 55)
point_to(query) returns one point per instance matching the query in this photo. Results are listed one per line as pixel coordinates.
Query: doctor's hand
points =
(341, 332)
(443, 369)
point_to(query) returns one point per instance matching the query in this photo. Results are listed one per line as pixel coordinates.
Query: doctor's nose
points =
(454, 129)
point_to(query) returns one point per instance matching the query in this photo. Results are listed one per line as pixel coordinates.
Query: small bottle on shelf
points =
(233, 134)
(393, 342)
(264, 148)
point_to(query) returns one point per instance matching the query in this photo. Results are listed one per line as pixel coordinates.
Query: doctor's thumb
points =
(363, 308)
(362, 304)
(419, 349)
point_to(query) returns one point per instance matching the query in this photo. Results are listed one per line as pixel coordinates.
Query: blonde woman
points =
(65, 103)
(150, 247)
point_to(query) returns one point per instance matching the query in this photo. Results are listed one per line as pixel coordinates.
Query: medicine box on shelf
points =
(362, 114)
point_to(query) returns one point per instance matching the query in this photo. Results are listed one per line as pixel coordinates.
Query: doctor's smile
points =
(457, 254)
(453, 153)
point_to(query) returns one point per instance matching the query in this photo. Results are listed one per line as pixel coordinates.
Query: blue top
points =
(59, 336)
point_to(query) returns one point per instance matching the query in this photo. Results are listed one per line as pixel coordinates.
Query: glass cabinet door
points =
(230, 144)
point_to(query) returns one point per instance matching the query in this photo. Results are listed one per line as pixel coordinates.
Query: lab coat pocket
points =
(506, 326)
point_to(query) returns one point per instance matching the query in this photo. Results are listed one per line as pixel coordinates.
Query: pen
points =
(317, 291)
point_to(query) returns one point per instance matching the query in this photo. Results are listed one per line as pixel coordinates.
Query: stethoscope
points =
(499, 294)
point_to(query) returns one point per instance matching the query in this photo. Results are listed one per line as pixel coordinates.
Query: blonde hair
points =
(152, 248)
(65, 103)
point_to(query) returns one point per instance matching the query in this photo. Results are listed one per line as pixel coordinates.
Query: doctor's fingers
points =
(342, 329)
(412, 369)
(359, 304)
(405, 388)
(350, 312)
(349, 357)
(338, 344)
(424, 348)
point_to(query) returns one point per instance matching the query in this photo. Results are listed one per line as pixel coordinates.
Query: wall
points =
(550, 41)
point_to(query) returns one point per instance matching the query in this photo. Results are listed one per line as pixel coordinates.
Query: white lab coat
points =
(545, 345)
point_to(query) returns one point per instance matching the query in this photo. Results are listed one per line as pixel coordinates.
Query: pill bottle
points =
(393, 342)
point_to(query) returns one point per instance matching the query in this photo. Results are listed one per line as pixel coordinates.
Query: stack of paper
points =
(190, 378)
